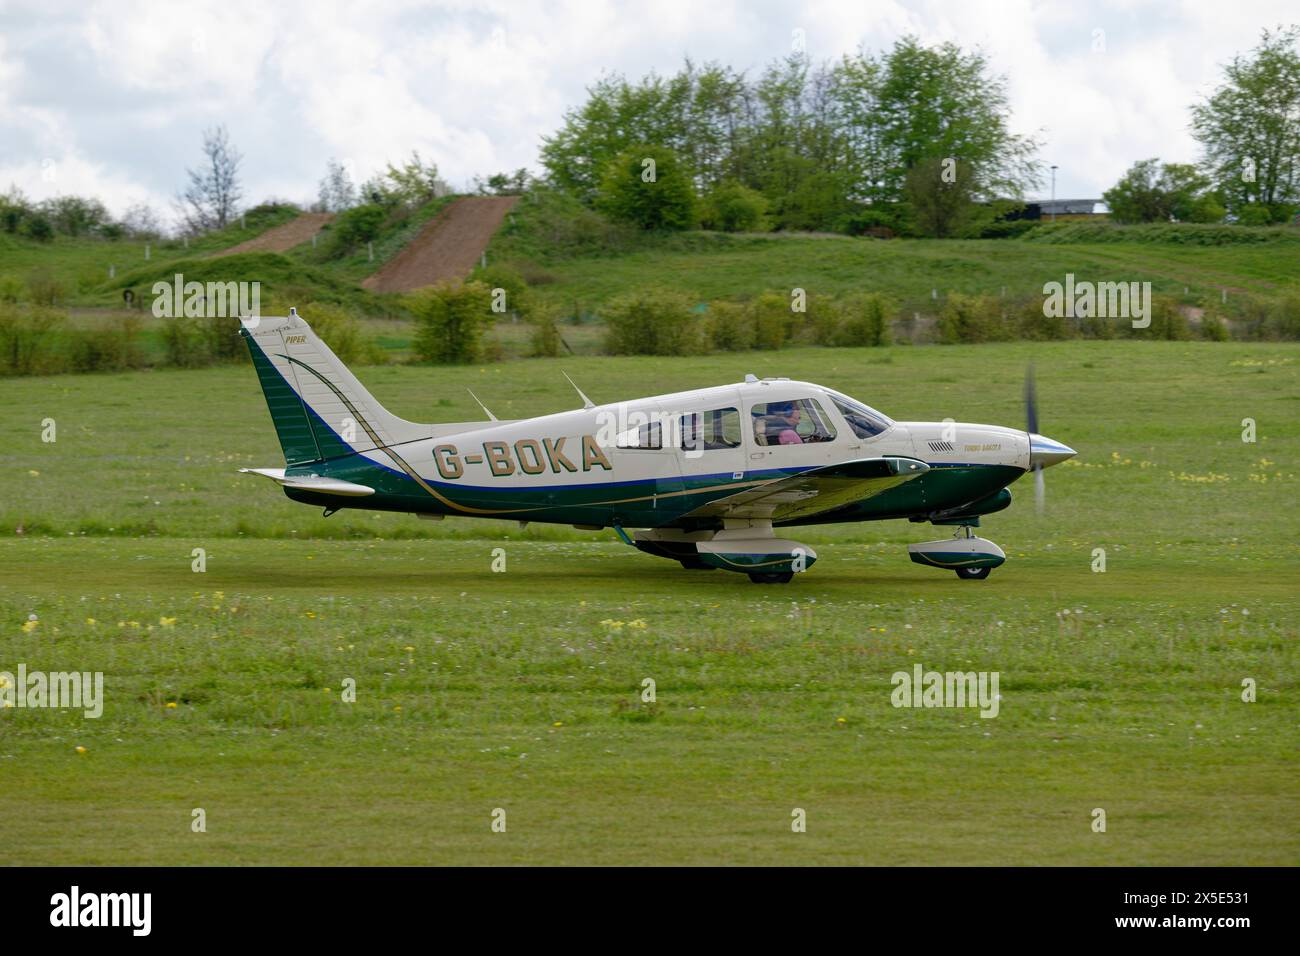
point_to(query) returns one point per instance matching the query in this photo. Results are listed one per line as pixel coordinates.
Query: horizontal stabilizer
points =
(323, 486)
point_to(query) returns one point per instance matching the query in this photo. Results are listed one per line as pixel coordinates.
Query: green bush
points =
(510, 281)
(353, 228)
(1007, 229)
(1254, 316)
(111, 349)
(14, 207)
(1031, 323)
(880, 221)
(1095, 327)
(533, 274)
(1178, 233)
(196, 342)
(184, 344)
(44, 289)
(1254, 214)
(653, 322)
(1284, 318)
(38, 227)
(864, 320)
(450, 320)
(819, 323)
(728, 327)
(11, 289)
(26, 336)
(772, 319)
(734, 207)
(1167, 321)
(550, 224)
(1213, 328)
(811, 200)
(627, 194)
(966, 318)
(544, 336)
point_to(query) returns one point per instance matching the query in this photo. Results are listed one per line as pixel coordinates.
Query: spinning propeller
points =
(1043, 451)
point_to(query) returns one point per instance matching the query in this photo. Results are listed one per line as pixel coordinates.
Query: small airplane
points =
(703, 477)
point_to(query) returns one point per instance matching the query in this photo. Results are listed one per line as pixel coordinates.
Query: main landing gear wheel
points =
(973, 574)
(771, 577)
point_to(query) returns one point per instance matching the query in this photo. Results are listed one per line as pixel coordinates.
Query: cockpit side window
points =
(865, 422)
(798, 422)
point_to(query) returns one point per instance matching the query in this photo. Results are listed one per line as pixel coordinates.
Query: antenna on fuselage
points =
(487, 411)
(586, 402)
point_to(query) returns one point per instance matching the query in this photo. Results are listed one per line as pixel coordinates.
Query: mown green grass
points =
(521, 689)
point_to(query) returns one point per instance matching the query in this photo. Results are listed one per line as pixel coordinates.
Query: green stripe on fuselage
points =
(646, 504)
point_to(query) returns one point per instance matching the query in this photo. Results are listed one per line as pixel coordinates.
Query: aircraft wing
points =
(815, 491)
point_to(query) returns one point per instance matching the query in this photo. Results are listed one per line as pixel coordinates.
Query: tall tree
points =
(337, 191)
(211, 199)
(940, 193)
(940, 102)
(648, 187)
(815, 140)
(1249, 128)
(855, 93)
(413, 183)
(140, 221)
(1155, 192)
(75, 215)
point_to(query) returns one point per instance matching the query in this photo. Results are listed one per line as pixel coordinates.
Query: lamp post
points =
(1053, 194)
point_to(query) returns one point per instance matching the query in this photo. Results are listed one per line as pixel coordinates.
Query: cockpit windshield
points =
(865, 421)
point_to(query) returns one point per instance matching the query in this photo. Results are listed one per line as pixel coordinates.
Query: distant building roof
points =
(1064, 207)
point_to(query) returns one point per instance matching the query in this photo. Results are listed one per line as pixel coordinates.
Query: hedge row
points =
(39, 340)
(656, 321)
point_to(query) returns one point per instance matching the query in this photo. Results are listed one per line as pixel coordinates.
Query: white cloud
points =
(116, 95)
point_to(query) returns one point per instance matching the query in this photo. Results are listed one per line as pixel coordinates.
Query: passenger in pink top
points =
(788, 435)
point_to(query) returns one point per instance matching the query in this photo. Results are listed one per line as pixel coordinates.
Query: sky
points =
(111, 98)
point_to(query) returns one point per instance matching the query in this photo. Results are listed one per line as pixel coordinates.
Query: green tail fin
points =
(319, 408)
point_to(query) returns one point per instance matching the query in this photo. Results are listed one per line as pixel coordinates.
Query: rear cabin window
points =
(647, 437)
(715, 429)
(798, 422)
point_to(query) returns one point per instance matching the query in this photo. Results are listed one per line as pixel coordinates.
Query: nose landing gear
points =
(771, 577)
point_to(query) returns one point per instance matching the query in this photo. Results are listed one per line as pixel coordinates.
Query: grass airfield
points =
(522, 690)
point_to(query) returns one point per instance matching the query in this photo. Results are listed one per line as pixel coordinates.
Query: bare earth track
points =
(448, 247)
(283, 238)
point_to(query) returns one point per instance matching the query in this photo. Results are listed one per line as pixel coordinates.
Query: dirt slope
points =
(448, 247)
(283, 238)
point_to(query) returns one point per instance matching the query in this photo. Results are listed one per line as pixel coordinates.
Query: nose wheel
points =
(771, 577)
(971, 557)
